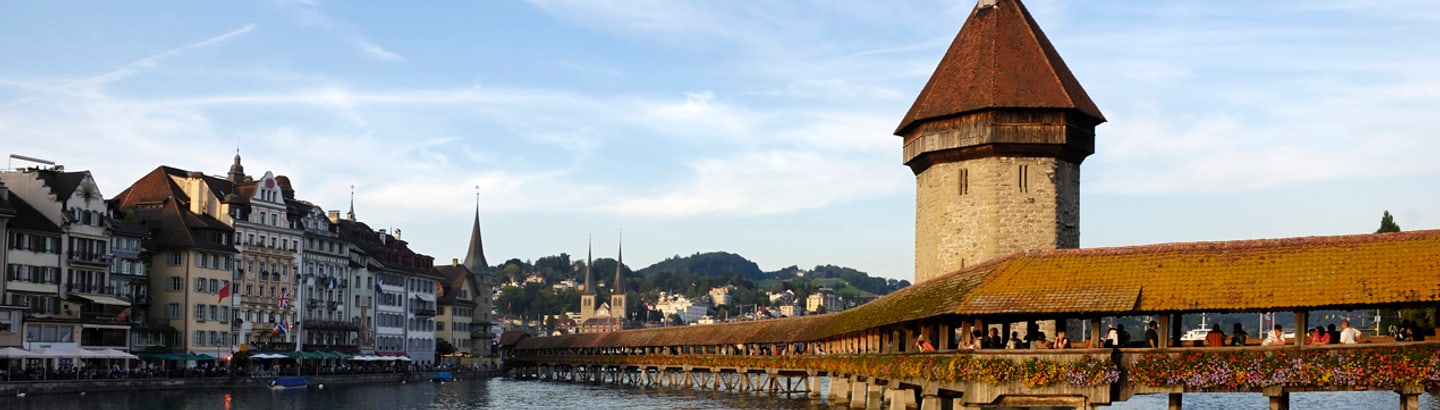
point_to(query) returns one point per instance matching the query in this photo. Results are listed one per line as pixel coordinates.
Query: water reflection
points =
(528, 394)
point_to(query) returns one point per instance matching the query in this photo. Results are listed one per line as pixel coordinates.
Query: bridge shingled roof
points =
(1333, 272)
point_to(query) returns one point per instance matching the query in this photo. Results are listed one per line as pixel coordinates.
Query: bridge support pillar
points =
(1279, 397)
(812, 381)
(897, 398)
(874, 396)
(1164, 341)
(1174, 397)
(839, 391)
(931, 402)
(1410, 396)
(857, 394)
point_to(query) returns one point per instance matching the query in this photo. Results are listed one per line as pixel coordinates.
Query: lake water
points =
(502, 393)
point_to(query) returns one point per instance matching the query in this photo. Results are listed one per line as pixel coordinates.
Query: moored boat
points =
(442, 377)
(289, 383)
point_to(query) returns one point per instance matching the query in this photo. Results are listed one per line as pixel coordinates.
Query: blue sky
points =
(760, 127)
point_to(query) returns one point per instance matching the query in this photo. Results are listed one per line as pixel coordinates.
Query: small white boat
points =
(1198, 333)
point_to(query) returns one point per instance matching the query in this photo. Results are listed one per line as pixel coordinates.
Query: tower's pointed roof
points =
(475, 258)
(619, 263)
(1000, 59)
(589, 280)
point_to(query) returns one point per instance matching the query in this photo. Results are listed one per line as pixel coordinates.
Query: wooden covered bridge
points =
(869, 353)
(995, 140)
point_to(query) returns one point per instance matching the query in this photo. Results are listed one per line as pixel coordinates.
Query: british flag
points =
(284, 298)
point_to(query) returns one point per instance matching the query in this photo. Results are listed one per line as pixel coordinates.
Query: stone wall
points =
(967, 212)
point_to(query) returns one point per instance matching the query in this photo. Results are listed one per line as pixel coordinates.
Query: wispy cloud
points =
(310, 13)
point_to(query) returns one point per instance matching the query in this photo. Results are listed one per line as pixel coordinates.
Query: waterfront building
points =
(81, 310)
(130, 276)
(330, 321)
(405, 289)
(268, 276)
(456, 319)
(192, 258)
(12, 316)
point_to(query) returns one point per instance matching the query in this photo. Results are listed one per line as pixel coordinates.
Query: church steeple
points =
(587, 298)
(620, 261)
(617, 290)
(589, 280)
(475, 259)
(237, 176)
(351, 215)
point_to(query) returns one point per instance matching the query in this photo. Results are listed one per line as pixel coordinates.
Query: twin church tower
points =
(995, 140)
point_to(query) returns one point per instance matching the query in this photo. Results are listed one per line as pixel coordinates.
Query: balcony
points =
(331, 325)
(91, 257)
(423, 312)
(90, 289)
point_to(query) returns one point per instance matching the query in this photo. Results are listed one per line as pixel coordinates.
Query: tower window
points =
(1024, 182)
(964, 181)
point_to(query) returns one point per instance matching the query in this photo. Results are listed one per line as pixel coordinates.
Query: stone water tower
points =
(996, 139)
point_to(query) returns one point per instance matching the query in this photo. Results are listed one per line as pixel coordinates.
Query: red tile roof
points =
(1000, 59)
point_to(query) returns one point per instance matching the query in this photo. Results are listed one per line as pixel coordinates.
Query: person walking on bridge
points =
(1348, 335)
(1216, 337)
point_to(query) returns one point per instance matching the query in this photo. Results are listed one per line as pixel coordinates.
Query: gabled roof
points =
(6, 209)
(453, 279)
(173, 227)
(62, 184)
(27, 217)
(1000, 59)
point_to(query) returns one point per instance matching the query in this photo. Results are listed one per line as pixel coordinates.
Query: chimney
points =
(334, 216)
(454, 261)
(397, 233)
(4, 192)
(382, 236)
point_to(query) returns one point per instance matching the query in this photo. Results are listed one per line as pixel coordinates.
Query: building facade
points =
(269, 273)
(192, 260)
(330, 321)
(82, 310)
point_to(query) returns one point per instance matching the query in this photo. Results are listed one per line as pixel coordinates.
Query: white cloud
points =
(762, 183)
(310, 14)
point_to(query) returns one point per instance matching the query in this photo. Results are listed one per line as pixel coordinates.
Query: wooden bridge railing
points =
(1409, 368)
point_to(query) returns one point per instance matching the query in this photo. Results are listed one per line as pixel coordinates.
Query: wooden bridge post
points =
(1279, 397)
(1175, 399)
(874, 395)
(812, 381)
(930, 397)
(857, 393)
(839, 390)
(1095, 335)
(945, 337)
(1302, 323)
(1165, 341)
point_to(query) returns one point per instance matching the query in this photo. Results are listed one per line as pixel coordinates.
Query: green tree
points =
(1387, 224)
(443, 347)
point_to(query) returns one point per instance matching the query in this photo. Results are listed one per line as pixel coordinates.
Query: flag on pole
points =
(378, 290)
(334, 282)
(284, 298)
(281, 328)
(124, 314)
(224, 291)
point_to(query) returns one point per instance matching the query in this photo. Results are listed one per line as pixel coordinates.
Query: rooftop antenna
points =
(14, 157)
